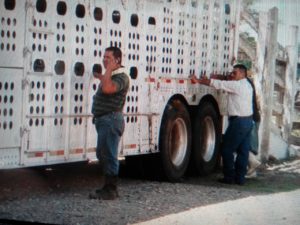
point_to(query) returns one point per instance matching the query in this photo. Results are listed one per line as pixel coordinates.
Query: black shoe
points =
(240, 182)
(108, 192)
(226, 181)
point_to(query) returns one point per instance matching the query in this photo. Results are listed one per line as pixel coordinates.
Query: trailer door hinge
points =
(26, 51)
(25, 82)
(23, 130)
(28, 5)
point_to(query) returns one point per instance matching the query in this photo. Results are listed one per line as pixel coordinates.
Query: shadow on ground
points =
(267, 181)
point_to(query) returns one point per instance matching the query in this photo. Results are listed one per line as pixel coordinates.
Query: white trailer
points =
(50, 48)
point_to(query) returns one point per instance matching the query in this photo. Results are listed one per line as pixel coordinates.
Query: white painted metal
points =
(10, 116)
(58, 43)
(12, 34)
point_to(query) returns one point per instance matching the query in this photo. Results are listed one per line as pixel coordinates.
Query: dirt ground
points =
(59, 195)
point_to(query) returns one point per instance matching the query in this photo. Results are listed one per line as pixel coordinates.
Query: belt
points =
(105, 114)
(240, 117)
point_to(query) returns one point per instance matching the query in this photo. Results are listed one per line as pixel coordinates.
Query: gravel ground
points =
(59, 195)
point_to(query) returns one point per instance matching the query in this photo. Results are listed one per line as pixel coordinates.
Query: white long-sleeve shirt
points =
(240, 95)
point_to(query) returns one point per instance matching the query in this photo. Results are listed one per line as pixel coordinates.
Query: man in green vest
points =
(108, 103)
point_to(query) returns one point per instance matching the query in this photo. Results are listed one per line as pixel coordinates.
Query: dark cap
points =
(240, 66)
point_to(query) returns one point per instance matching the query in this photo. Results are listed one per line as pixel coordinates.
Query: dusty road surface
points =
(280, 208)
(59, 195)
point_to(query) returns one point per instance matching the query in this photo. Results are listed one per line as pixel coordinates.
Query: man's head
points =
(239, 72)
(112, 56)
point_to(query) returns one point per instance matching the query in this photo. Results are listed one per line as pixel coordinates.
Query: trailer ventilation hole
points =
(10, 4)
(59, 67)
(41, 6)
(80, 11)
(39, 65)
(151, 21)
(134, 20)
(227, 9)
(133, 73)
(97, 68)
(116, 17)
(61, 8)
(79, 69)
(98, 14)
(194, 4)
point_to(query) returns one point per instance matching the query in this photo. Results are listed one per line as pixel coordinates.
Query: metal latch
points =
(23, 130)
(26, 51)
(25, 82)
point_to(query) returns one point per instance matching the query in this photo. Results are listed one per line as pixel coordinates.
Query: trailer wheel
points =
(206, 139)
(175, 140)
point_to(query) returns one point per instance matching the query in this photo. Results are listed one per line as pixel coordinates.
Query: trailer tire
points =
(175, 140)
(206, 139)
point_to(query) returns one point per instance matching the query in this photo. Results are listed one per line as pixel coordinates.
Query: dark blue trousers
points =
(236, 140)
(110, 128)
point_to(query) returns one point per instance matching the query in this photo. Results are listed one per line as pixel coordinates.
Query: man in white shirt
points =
(237, 136)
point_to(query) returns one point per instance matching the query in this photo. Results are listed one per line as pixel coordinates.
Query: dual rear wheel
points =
(179, 139)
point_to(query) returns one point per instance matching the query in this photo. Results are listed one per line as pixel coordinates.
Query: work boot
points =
(253, 164)
(109, 190)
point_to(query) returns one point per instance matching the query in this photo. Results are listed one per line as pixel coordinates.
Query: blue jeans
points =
(254, 141)
(236, 139)
(110, 128)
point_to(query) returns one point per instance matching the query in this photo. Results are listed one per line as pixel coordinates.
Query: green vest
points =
(107, 103)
